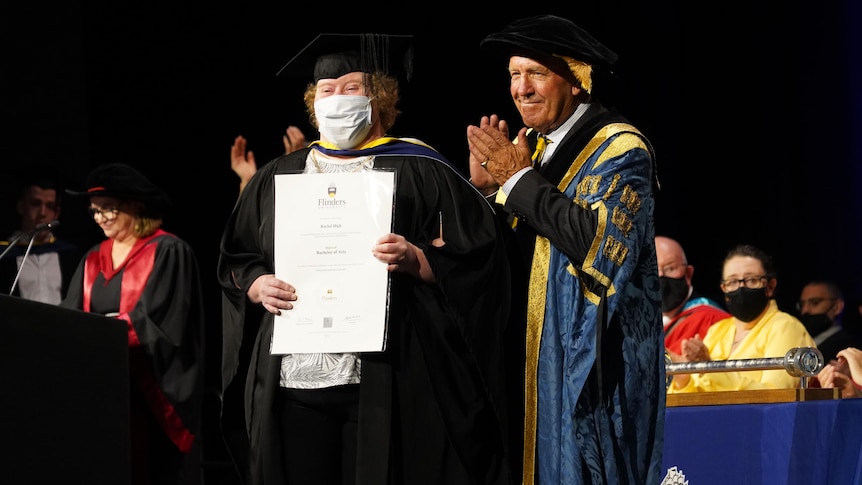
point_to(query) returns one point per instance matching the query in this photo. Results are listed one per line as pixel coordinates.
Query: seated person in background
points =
(821, 307)
(840, 373)
(685, 312)
(242, 161)
(757, 329)
(49, 265)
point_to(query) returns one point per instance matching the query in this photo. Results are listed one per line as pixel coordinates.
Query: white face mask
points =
(343, 120)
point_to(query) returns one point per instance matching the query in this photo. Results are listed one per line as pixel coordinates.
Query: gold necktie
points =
(541, 144)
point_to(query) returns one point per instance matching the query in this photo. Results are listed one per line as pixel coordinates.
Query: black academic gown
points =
(431, 407)
(157, 291)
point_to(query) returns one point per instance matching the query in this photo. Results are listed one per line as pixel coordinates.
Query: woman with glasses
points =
(757, 329)
(149, 278)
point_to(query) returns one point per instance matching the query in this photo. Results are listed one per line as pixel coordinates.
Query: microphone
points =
(45, 226)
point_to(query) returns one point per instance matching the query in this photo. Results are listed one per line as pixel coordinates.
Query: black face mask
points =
(816, 324)
(674, 291)
(746, 304)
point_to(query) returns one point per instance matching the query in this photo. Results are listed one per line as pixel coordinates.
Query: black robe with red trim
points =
(157, 291)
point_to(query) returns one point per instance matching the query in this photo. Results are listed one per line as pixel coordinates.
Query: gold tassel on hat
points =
(583, 72)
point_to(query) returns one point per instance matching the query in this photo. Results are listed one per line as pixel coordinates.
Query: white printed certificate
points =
(325, 227)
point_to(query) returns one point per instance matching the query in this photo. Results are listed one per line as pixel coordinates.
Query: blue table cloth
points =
(799, 443)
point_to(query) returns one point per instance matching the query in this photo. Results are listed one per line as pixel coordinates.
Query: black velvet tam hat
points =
(551, 35)
(126, 183)
(330, 56)
(552, 38)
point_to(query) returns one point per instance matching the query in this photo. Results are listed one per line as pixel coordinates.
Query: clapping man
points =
(586, 299)
(685, 312)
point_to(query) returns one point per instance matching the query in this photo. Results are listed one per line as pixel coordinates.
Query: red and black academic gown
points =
(157, 291)
(431, 407)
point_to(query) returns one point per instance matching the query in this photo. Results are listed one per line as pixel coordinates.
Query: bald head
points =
(669, 253)
(674, 275)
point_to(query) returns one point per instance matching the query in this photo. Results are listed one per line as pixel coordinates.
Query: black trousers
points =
(318, 434)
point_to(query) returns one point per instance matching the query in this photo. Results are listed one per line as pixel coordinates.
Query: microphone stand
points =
(23, 261)
(17, 238)
(45, 226)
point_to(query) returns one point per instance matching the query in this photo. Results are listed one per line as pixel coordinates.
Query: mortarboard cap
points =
(334, 55)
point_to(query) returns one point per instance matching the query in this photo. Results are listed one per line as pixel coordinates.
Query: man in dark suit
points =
(821, 306)
(49, 261)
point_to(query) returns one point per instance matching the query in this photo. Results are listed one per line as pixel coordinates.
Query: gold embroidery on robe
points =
(615, 250)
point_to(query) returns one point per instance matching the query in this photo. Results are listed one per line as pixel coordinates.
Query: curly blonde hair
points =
(381, 88)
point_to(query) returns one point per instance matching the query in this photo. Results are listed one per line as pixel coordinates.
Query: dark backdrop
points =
(754, 112)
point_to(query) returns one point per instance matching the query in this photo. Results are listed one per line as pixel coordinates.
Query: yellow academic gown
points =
(774, 334)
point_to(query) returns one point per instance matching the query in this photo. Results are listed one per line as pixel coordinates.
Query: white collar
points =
(556, 136)
(822, 336)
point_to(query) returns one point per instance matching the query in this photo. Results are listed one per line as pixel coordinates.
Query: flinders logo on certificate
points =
(325, 227)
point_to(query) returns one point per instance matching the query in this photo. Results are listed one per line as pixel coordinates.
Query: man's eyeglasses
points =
(673, 270)
(107, 214)
(750, 282)
(812, 302)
